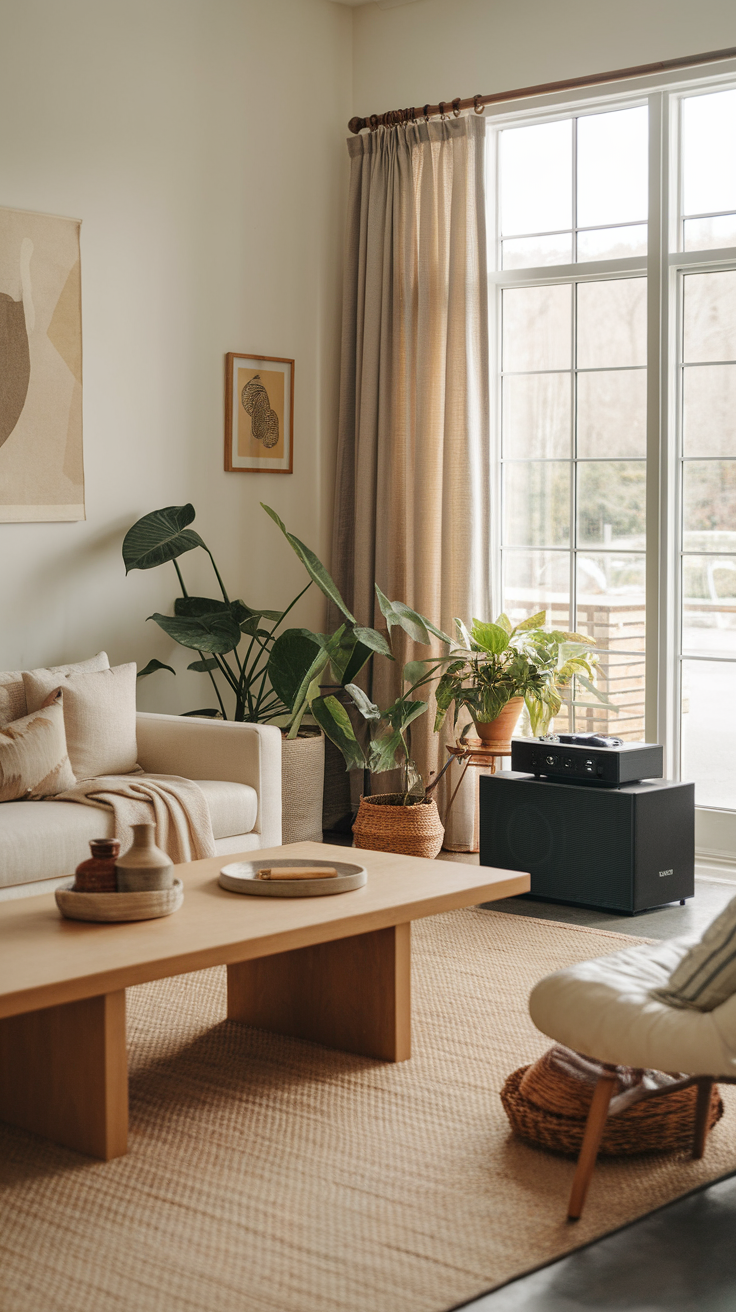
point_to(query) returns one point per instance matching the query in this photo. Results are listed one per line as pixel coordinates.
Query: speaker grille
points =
(576, 843)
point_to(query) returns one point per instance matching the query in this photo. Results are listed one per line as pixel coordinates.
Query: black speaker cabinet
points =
(621, 849)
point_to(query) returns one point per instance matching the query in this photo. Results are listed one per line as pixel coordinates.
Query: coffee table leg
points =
(63, 1074)
(353, 993)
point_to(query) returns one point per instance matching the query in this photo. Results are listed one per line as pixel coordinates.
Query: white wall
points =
(437, 49)
(202, 144)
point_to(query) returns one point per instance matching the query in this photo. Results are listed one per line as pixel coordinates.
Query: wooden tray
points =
(240, 877)
(119, 906)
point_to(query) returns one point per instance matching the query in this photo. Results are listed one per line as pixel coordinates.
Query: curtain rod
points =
(394, 116)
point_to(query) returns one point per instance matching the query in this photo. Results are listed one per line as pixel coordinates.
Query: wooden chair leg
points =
(594, 1126)
(702, 1109)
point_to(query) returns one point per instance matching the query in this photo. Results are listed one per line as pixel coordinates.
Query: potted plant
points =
(278, 677)
(307, 670)
(233, 643)
(498, 668)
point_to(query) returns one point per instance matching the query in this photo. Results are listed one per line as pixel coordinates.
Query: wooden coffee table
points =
(335, 970)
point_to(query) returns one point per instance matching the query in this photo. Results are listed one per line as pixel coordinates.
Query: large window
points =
(614, 246)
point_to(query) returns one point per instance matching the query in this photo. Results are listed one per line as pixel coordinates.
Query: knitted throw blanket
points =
(176, 806)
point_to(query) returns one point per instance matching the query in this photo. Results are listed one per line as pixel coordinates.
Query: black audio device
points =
(583, 763)
(619, 849)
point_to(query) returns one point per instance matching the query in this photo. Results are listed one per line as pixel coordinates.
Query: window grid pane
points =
(587, 575)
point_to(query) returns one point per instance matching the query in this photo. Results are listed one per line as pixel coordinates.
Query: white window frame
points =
(663, 265)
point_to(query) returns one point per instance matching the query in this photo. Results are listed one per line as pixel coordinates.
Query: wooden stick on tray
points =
(297, 872)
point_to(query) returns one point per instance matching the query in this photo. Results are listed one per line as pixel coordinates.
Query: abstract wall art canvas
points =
(41, 468)
(259, 414)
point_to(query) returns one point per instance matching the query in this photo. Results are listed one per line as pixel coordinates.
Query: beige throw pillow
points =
(13, 695)
(99, 716)
(33, 756)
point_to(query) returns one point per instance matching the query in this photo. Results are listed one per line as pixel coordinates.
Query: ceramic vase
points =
(97, 873)
(144, 866)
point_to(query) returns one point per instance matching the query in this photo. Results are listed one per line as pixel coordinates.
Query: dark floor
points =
(681, 1258)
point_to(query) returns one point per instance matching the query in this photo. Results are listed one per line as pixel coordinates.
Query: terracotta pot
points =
(144, 866)
(501, 729)
(384, 825)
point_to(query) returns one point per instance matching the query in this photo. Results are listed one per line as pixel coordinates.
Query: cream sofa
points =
(238, 767)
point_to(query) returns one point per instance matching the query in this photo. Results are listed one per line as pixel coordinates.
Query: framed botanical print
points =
(259, 414)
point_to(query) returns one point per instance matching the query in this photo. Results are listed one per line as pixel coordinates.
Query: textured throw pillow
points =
(99, 716)
(706, 976)
(13, 694)
(33, 756)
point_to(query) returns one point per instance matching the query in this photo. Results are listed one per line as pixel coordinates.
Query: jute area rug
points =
(273, 1175)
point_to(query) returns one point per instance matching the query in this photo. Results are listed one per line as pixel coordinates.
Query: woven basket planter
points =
(549, 1110)
(383, 824)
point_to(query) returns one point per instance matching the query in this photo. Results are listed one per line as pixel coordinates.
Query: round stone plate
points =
(240, 877)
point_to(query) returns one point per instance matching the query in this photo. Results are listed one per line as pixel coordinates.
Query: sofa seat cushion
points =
(233, 807)
(43, 840)
(607, 1008)
(46, 840)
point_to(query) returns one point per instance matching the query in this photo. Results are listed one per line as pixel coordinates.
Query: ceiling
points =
(382, 4)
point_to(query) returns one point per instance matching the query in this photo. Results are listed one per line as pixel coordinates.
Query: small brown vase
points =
(97, 873)
(144, 866)
(498, 731)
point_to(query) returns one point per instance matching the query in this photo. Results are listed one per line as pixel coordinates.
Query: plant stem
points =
(290, 607)
(217, 572)
(184, 592)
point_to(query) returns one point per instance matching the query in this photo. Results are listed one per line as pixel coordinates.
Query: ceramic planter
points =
(302, 786)
(495, 733)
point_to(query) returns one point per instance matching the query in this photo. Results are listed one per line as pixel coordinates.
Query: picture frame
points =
(259, 414)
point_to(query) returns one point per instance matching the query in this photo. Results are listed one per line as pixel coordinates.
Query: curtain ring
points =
(476, 106)
(426, 113)
(456, 106)
(443, 115)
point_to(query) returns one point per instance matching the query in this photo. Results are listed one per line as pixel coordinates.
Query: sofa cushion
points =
(99, 715)
(34, 762)
(706, 975)
(45, 840)
(233, 807)
(13, 694)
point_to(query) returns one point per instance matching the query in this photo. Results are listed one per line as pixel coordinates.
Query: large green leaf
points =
(359, 657)
(163, 535)
(313, 565)
(490, 637)
(367, 708)
(532, 622)
(217, 632)
(204, 667)
(334, 720)
(382, 754)
(417, 626)
(151, 668)
(196, 607)
(291, 657)
(373, 639)
(401, 713)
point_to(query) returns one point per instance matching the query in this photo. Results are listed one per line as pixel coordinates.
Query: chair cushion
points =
(34, 762)
(99, 716)
(233, 807)
(706, 975)
(13, 694)
(604, 1008)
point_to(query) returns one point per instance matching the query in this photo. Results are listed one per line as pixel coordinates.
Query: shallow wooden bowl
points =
(119, 906)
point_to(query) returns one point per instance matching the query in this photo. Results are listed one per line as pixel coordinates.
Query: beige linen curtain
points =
(412, 494)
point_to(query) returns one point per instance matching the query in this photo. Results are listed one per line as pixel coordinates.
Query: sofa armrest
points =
(199, 748)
